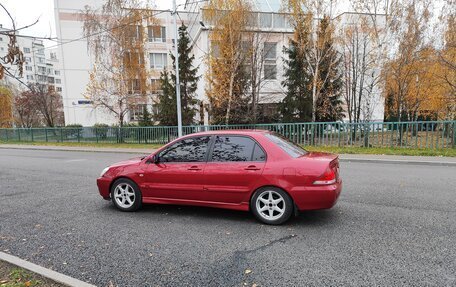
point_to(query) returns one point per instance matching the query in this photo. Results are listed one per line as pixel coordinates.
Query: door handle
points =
(194, 168)
(252, 167)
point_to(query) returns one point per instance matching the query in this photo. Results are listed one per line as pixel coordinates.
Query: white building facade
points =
(76, 61)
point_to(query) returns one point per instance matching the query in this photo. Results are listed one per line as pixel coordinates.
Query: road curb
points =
(48, 273)
(80, 150)
(400, 161)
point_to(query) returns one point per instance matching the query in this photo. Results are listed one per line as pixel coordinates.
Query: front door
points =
(179, 173)
(234, 167)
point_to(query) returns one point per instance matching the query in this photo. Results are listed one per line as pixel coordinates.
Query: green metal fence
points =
(426, 134)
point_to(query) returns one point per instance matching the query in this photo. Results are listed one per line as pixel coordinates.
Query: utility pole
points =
(176, 57)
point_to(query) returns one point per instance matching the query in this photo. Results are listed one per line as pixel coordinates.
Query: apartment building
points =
(41, 65)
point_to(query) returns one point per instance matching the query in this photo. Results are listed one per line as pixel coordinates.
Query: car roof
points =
(231, 132)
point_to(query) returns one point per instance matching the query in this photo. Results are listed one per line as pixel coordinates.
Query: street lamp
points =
(176, 57)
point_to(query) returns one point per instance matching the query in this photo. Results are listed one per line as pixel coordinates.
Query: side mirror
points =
(153, 159)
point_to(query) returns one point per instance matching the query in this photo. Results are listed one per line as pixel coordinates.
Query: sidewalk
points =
(426, 160)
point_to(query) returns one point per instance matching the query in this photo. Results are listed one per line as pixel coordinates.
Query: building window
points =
(41, 70)
(133, 58)
(28, 68)
(41, 78)
(59, 89)
(51, 80)
(26, 50)
(135, 32)
(270, 63)
(53, 56)
(265, 20)
(280, 21)
(134, 86)
(40, 51)
(30, 77)
(57, 73)
(27, 59)
(158, 60)
(156, 34)
(155, 86)
(58, 81)
(41, 60)
(137, 111)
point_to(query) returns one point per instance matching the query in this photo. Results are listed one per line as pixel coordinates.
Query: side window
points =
(258, 154)
(186, 150)
(232, 148)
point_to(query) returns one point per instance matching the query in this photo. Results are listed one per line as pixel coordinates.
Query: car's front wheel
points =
(126, 195)
(271, 205)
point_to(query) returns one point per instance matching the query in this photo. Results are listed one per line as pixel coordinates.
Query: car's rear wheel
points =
(271, 205)
(126, 195)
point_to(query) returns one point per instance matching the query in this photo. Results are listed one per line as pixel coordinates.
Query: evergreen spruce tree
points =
(329, 104)
(167, 111)
(146, 118)
(297, 104)
(166, 106)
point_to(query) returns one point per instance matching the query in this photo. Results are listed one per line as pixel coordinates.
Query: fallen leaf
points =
(247, 271)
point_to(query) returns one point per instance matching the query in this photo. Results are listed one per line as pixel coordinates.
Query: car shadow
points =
(315, 217)
(199, 212)
(304, 218)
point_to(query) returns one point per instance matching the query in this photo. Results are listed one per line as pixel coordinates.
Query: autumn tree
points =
(115, 37)
(25, 112)
(48, 103)
(227, 77)
(188, 78)
(403, 71)
(37, 106)
(447, 60)
(6, 107)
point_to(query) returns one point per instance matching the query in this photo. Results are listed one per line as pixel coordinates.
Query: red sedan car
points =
(257, 171)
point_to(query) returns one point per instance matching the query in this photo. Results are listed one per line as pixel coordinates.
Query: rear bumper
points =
(316, 197)
(103, 184)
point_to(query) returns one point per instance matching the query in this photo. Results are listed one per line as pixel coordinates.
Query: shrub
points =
(101, 130)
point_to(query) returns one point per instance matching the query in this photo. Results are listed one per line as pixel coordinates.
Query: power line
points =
(98, 33)
(191, 38)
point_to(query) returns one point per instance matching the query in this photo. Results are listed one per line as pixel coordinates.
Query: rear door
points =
(234, 166)
(179, 174)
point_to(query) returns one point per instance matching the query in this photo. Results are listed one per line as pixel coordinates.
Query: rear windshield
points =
(288, 146)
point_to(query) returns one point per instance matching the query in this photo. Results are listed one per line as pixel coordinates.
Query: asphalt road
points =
(394, 225)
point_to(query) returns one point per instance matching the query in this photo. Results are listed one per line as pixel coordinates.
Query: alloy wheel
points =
(124, 195)
(270, 205)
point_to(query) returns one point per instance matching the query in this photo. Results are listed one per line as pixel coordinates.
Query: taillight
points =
(329, 177)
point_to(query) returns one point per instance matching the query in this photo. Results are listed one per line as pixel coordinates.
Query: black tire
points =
(136, 201)
(286, 204)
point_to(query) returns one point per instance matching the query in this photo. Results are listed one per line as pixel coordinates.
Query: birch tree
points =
(312, 42)
(229, 20)
(115, 37)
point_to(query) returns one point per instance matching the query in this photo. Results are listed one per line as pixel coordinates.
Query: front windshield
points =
(286, 145)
